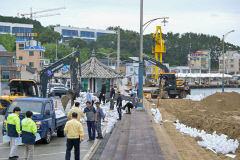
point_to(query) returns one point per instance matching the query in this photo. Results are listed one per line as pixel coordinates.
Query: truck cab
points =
(47, 119)
(18, 88)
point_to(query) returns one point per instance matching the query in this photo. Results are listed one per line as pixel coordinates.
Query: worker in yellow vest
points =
(29, 129)
(13, 131)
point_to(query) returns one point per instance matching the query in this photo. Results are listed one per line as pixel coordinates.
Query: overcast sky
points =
(214, 17)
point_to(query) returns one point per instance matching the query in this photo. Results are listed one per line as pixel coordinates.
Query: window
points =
(87, 34)
(232, 66)
(221, 61)
(31, 64)
(3, 61)
(21, 46)
(88, 40)
(20, 58)
(21, 30)
(231, 60)
(5, 74)
(66, 32)
(203, 59)
(99, 34)
(31, 53)
(131, 69)
(5, 29)
(47, 107)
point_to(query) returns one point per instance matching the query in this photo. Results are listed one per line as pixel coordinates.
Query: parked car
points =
(56, 89)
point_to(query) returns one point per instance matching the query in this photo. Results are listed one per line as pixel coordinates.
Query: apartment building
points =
(30, 53)
(199, 62)
(8, 68)
(232, 62)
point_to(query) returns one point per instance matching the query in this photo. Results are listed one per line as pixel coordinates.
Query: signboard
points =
(49, 72)
(26, 34)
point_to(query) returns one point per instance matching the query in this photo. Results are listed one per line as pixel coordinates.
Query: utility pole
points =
(56, 52)
(118, 56)
(140, 72)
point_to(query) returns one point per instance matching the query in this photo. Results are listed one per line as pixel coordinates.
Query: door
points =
(49, 116)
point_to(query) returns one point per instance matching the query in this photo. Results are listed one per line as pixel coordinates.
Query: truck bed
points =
(61, 118)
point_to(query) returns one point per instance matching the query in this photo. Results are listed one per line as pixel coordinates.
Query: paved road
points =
(53, 151)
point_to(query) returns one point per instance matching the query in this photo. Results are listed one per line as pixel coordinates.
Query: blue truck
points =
(47, 119)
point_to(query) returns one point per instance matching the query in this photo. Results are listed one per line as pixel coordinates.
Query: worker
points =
(29, 129)
(75, 132)
(89, 96)
(112, 92)
(102, 93)
(119, 105)
(91, 120)
(13, 131)
(100, 116)
(135, 100)
(77, 110)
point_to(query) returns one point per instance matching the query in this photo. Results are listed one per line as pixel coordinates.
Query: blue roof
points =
(34, 47)
(34, 99)
(66, 68)
(20, 40)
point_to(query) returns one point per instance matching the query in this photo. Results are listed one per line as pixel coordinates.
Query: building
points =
(132, 73)
(180, 69)
(86, 34)
(30, 53)
(232, 62)
(23, 31)
(199, 62)
(8, 68)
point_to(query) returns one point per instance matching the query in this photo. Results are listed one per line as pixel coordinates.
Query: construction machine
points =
(29, 88)
(169, 85)
(18, 88)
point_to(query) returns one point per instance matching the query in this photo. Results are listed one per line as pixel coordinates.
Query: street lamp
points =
(223, 57)
(140, 72)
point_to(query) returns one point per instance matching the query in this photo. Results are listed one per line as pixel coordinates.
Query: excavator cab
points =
(18, 88)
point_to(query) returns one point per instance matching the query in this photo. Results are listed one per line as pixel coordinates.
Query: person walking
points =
(75, 132)
(91, 120)
(77, 110)
(29, 129)
(112, 92)
(102, 93)
(13, 131)
(100, 116)
(119, 105)
(89, 96)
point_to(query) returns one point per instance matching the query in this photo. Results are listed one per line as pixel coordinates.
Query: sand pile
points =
(219, 112)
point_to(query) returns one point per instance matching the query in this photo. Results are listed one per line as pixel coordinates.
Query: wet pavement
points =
(53, 151)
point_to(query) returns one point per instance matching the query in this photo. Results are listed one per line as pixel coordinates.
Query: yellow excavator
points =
(18, 88)
(169, 85)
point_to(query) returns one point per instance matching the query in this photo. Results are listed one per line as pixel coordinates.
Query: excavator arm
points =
(156, 63)
(73, 60)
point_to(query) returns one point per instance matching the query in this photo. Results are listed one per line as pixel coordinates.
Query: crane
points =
(42, 11)
(158, 49)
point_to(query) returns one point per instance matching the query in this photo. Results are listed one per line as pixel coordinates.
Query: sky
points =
(213, 17)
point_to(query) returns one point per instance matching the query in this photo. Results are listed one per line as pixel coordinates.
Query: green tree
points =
(50, 51)
(49, 36)
(8, 42)
(78, 42)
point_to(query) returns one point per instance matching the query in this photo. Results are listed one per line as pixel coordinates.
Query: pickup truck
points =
(47, 119)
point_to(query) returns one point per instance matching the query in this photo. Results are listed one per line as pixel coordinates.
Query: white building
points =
(180, 69)
(132, 72)
(86, 34)
(23, 31)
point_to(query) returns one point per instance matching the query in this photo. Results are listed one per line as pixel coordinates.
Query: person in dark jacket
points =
(112, 92)
(100, 116)
(119, 105)
(91, 115)
(29, 129)
(13, 131)
(129, 105)
(102, 93)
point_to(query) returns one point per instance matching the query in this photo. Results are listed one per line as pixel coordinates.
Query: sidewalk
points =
(133, 139)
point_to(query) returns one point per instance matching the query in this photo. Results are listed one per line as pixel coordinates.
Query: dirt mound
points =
(225, 101)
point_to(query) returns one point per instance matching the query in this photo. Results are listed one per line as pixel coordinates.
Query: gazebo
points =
(94, 73)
